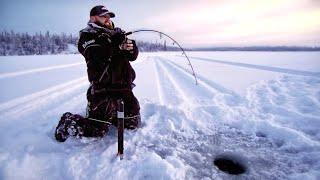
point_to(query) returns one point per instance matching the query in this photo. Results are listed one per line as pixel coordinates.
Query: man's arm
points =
(97, 52)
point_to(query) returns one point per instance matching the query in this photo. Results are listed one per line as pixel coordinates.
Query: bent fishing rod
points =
(161, 33)
(120, 109)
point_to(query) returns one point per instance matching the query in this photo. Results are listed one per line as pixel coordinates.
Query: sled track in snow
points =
(259, 67)
(43, 100)
(203, 93)
(209, 84)
(184, 84)
(171, 92)
(167, 92)
(37, 70)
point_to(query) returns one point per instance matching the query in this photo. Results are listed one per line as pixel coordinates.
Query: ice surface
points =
(259, 108)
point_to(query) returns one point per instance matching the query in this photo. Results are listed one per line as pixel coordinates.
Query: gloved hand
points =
(127, 45)
(118, 30)
(118, 36)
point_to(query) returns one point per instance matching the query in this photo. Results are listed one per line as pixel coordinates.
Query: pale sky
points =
(190, 22)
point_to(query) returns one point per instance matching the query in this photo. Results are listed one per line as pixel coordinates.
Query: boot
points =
(68, 126)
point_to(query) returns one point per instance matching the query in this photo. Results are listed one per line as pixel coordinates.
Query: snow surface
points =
(259, 108)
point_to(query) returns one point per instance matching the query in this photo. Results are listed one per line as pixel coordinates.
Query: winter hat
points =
(101, 11)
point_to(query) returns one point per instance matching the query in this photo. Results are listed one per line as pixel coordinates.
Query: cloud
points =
(206, 22)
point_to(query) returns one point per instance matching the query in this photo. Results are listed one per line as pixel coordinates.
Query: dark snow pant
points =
(101, 112)
(103, 106)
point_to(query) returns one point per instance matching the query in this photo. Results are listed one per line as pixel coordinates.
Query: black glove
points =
(128, 45)
(118, 36)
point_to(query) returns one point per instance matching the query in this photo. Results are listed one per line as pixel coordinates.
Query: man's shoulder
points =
(89, 30)
(87, 34)
(87, 37)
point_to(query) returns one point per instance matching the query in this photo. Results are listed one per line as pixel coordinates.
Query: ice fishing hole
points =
(229, 165)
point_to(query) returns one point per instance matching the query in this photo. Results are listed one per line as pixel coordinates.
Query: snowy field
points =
(259, 108)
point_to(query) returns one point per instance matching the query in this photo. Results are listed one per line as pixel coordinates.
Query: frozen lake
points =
(259, 108)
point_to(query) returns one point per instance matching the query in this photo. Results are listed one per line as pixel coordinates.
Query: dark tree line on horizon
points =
(12, 43)
(260, 48)
(145, 46)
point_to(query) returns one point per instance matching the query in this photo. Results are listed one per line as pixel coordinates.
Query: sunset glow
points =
(193, 23)
(244, 22)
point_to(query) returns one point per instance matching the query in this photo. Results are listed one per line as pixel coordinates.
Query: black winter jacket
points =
(108, 67)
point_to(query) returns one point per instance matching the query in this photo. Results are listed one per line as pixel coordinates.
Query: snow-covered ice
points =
(259, 108)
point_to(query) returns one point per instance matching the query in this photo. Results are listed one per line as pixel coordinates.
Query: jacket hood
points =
(94, 28)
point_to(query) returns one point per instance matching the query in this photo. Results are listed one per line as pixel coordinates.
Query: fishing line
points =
(161, 33)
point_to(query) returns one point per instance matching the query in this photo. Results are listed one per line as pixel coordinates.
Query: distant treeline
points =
(152, 47)
(259, 48)
(12, 43)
